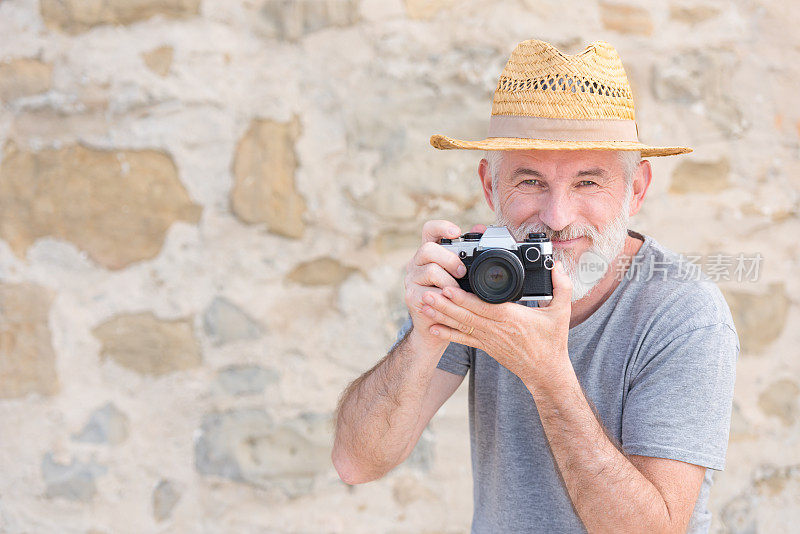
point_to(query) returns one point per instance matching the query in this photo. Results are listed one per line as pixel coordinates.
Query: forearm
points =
(608, 492)
(378, 412)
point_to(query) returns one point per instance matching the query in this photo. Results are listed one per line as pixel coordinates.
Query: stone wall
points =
(206, 208)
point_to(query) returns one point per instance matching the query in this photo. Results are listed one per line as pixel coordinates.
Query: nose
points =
(557, 211)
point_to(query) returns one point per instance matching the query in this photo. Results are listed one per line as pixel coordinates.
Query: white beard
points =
(587, 270)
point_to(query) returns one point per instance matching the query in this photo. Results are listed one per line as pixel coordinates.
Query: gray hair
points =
(628, 159)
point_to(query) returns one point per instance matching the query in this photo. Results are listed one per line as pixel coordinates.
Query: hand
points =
(432, 269)
(529, 342)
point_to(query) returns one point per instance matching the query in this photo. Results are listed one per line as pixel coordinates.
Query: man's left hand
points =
(529, 342)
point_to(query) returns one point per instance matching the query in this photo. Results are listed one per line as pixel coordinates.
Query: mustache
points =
(572, 231)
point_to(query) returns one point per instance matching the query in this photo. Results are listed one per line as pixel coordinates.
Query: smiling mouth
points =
(568, 242)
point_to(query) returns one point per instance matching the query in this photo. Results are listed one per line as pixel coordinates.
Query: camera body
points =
(500, 269)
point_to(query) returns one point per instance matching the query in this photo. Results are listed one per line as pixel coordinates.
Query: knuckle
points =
(416, 259)
(428, 248)
(431, 271)
(432, 229)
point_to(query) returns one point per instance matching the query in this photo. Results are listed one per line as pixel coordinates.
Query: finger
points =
(434, 253)
(480, 228)
(432, 275)
(461, 315)
(562, 286)
(438, 317)
(414, 298)
(473, 303)
(455, 336)
(437, 229)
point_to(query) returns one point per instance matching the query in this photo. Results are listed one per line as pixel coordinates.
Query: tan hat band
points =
(563, 129)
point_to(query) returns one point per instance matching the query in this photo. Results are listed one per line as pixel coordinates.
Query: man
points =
(603, 411)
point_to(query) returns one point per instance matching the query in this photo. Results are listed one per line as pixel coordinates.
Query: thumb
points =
(562, 286)
(479, 228)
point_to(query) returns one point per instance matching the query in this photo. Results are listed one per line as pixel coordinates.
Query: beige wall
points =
(206, 207)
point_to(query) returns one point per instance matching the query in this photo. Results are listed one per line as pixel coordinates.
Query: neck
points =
(585, 307)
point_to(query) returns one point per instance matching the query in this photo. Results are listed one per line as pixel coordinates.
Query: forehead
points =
(567, 160)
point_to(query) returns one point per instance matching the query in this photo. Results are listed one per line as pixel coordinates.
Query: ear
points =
(641, 181)
(486, 181)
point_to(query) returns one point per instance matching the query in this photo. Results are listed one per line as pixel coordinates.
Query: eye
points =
(586, 183)
(531, 181)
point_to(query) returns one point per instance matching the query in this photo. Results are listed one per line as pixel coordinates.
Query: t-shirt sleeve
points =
(455, 359)
(679, 402)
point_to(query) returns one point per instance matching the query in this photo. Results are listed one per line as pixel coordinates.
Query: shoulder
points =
(672, 295)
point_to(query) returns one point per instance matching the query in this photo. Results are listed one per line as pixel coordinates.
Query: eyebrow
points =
(595, 171)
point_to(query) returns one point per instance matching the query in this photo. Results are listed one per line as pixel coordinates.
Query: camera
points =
(500, 269)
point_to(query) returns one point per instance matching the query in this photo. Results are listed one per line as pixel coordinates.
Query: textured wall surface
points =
(206, 208)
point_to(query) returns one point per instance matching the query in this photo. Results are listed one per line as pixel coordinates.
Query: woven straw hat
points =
(548, 100)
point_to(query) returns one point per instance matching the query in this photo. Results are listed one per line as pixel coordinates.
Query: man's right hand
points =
(432, 268)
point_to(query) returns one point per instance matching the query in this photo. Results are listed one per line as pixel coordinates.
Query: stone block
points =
(165, 496)
(117, 205)
(759, 318)
(320, 272)
(224, 323)
(159, 60)
(291, 20)
(701, 79)
(700, 177)
(427, 9)
(264, 187)
(624, 18)
(27, 358)
(780, 399)
(24, 77)
(148, 345)
(106, 425)
(76, 16)
(692, 14)
(245, 445)
(246, 379)
(74, 481)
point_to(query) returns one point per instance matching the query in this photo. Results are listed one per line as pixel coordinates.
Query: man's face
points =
(576, 197)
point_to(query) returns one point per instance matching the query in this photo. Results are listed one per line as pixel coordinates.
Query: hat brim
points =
(442, 142)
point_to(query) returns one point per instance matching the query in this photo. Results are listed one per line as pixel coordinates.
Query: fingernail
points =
(461, 270)
(435, 332)
(427, 297)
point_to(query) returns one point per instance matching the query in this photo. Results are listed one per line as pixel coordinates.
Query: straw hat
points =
(549, 100)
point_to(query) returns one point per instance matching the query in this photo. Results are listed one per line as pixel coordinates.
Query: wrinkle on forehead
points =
(561, 164)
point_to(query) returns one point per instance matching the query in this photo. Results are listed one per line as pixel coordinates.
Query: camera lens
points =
(497, 276)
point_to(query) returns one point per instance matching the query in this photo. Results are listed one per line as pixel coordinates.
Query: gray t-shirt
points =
(657, 360)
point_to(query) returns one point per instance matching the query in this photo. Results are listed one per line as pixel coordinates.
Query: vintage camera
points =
(500, 269)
